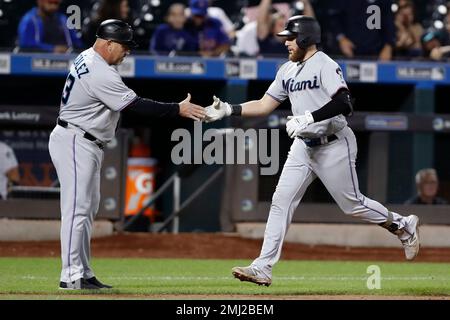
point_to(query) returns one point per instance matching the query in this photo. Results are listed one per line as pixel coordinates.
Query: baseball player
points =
(93, 96)
(324, 146)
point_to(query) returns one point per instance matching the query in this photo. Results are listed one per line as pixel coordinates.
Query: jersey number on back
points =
(68, 87)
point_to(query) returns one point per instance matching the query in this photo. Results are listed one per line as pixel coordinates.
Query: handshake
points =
(219, 109)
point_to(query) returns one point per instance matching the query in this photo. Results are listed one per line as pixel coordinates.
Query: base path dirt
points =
(228, 297)
(212, 246)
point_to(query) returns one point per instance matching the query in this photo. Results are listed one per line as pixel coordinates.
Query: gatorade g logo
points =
(140, 186)
(144, 183)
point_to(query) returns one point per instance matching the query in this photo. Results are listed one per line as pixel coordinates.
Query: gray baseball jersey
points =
(91, 101)
(309, 86)
(94, 95)
(8, 161)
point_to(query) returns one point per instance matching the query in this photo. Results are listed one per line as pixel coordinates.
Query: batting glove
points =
(296, 124)
(217, 110)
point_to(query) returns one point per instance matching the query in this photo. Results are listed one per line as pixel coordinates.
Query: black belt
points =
(86, 134)
(314, 142)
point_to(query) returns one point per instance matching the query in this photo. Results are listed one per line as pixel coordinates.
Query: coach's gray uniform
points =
(91, 102)
(309, 86)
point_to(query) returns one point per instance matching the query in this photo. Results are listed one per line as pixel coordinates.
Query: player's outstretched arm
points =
(219, 109)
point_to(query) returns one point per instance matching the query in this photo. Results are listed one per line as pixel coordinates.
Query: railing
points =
(178, 206)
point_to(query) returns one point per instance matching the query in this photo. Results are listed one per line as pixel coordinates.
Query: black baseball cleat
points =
(80, 284)
(94, 281)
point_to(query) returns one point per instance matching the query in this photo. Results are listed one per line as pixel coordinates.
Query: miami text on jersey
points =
(291, 85)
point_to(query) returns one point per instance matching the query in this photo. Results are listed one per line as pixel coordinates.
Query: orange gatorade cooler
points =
(140, 185)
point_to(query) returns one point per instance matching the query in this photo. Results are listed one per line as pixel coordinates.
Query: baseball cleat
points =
(249, 274)
(412, 244)
(80, 284)
(97, 283)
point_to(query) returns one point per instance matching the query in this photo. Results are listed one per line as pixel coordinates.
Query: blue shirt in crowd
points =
(209, 36)
(34, 33)
(166, 39)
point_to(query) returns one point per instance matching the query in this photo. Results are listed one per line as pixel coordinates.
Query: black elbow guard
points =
(346, 101)
(341, 103)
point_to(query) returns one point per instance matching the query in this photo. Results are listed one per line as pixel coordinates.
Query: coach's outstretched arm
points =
(219, 109)
(185, 108)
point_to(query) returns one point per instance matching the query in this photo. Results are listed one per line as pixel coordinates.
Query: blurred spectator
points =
(210, 38)
(43, 28)
(436, 43)
(107, 9)
(401, 3)
(302, 7)
(427, 184)
(269, 23)
(447, 19)
(408, 31)
(219, 14)
(440, 53)
(247, 36)
(433, 45)
(247, 40)
(348, 21)
(9, 170)
(171, 37)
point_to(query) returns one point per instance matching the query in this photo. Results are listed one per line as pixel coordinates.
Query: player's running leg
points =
(335, 165)
(294, 180)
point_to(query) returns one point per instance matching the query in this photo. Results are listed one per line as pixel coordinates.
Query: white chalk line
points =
(277, 278)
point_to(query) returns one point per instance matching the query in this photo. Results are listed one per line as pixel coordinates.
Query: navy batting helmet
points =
(306, 29)
(117, 31)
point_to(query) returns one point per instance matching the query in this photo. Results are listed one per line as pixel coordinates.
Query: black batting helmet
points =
(117, 31)
(306, 29)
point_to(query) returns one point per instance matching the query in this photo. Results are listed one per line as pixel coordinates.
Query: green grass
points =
(39, 278)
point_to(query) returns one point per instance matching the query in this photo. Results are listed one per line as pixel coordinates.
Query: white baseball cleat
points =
(251, 275)
(412, 244)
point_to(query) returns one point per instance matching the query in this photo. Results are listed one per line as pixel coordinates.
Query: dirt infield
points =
(243, 297)
(212, 246)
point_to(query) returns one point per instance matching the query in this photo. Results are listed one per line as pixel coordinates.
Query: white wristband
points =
(309, 117)
(228, 109)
